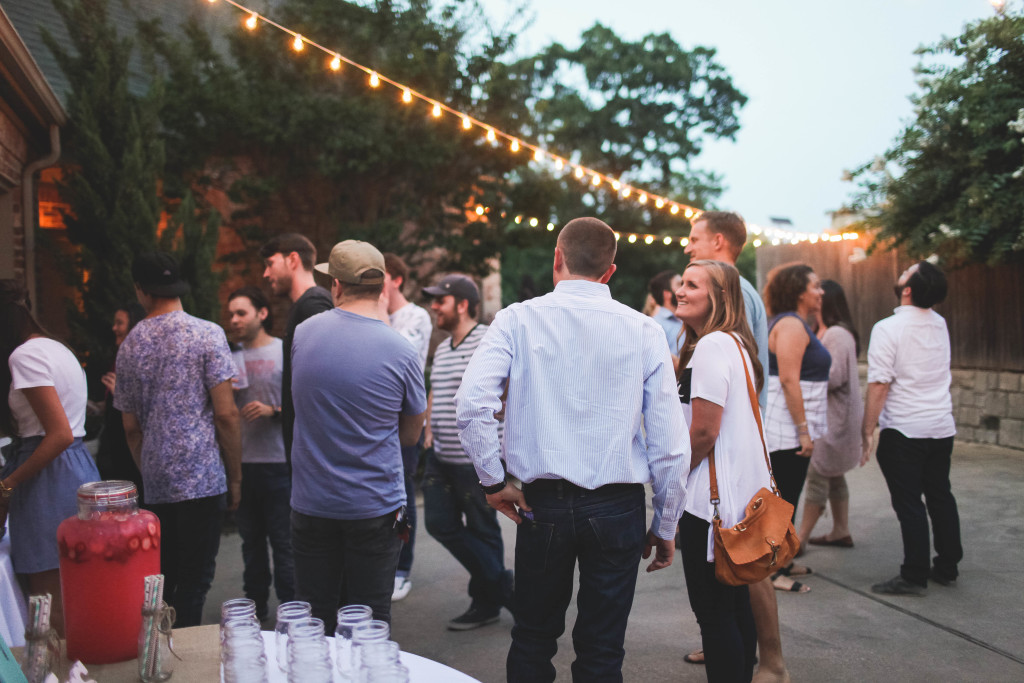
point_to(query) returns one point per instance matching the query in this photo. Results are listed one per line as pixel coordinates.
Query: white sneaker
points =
(402, 587)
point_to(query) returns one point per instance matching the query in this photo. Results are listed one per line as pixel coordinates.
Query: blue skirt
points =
(39, 505)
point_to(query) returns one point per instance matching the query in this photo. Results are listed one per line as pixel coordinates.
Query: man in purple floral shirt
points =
(174, 390)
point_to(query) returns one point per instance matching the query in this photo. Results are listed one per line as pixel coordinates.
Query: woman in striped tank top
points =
(798, 367)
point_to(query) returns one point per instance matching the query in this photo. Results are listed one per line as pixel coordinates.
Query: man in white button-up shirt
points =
(583, 372)
(908, 397)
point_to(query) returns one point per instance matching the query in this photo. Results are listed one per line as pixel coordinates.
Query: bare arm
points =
(428, 433)
(788, 342)
(876, 394)
(133, 435)
(57, 434)
(705, 424)
(409, 428)
(228, 424)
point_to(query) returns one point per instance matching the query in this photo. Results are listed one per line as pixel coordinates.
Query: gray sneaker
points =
(900, 586)
(474, 617)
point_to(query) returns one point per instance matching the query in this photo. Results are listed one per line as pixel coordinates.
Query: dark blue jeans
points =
(727, 630)
(410, 461)
(604, 530)
(264, 514)
(189, 541)
(345, 562)
(912, 468)
(451, 492)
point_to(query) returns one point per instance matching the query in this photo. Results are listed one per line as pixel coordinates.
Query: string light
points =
(335, 62)
(648, 239)
(617, 236)
(667, 241)
(534, 222)
(632, 239)
(479, 210)
(579, 172)
(551, 226)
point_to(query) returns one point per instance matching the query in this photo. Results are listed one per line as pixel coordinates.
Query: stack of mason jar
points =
(242, 656)
(363, 653)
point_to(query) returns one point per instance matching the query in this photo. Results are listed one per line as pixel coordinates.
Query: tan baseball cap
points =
(355, 263)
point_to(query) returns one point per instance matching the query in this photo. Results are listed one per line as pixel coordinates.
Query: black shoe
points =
(474, 617)
(900, 586)
(938, 578)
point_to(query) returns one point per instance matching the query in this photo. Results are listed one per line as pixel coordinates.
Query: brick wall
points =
(989, 407)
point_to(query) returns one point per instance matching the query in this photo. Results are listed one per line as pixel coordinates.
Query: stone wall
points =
(989, 407)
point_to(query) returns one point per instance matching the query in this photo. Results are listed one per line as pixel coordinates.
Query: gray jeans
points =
(345, 562)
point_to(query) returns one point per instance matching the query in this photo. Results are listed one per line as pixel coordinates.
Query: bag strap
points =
(752, 394)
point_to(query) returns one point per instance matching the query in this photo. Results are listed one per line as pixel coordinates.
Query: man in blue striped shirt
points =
(592, 415)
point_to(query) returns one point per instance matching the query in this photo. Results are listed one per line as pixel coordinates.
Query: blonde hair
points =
(728, 314)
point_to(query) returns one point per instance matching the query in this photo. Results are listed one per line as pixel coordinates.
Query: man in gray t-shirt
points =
(264, 512)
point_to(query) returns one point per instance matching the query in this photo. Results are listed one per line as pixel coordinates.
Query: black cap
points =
(157, 274)
(459, 286)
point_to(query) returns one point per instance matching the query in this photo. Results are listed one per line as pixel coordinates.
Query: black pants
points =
(912, 468)
(189, 541)
(790, 472)
(727, 630)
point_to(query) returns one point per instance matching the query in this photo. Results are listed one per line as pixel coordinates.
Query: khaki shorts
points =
(820, 488)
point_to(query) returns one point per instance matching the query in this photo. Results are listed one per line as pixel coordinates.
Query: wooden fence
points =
(984, 309)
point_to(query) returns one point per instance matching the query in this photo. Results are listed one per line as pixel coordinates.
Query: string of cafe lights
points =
(515, 145)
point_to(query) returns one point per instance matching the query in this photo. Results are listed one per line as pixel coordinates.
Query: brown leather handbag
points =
(764, 541)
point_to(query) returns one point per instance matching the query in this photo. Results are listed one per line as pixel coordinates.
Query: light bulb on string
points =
(667, 241)
(688, 213)
(660, 203)
(335, 63)
(684, 241)
(551, 226)
(407, 96)
(479, 210)
(519, 219)
(297, 44)
(578, 172)
(491, 137)
(437, 110)
(514, 146)
(626, 192)
(252, 21)
(466, 123)
(374, 79)
(674, 210)
(596, 180)
(632, 239)
(617, 236)
(648, 239)
(616, 185)
(642, 198)
(559, 164)
(538, 154)
(534, 222)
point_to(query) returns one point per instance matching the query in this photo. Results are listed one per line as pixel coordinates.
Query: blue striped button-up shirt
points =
(584, 373)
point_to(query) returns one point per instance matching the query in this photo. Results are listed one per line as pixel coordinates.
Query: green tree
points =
(112, 162)
(952, 183)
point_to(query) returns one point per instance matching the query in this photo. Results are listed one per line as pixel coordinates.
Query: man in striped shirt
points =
(450, 485)
(583, 373)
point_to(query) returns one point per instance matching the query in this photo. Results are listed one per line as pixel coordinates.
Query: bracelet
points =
(5, 490)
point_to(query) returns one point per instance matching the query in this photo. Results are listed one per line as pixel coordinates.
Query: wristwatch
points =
(493, 488)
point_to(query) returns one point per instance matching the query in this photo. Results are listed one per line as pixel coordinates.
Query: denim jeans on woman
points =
(604, 530)
(727, 630)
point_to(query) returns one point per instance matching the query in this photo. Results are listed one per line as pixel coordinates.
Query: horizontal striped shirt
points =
(445, 378)
(584, 373)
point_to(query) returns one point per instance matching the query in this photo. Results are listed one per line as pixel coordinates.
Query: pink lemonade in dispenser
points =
(106, 552)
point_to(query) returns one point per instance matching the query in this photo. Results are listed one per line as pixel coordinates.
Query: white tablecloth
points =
(421, 669)
(13, 609)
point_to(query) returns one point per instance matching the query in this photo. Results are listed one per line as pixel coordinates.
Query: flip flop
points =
(788, 571)
(797, 587)
(844, 542)
(695, 657)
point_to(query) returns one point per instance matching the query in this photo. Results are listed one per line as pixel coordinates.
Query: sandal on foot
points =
(695, 657)
(792, 569)
(796, 587)
(844, 542)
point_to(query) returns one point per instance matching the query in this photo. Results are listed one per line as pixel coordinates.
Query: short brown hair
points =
(784, 286)
(588, 246)
(350, 291)
(288, 242)
(396, 267)
(727, 224)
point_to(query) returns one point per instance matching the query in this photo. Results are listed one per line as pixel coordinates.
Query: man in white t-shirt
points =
(264, 513)
(908, 397)
(413, 323)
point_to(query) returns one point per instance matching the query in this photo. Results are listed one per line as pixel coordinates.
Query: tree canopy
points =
(952, 183)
